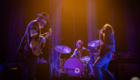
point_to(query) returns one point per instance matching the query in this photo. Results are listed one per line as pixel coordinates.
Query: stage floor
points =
(73, 78)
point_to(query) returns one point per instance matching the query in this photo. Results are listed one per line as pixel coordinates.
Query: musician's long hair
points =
(108, 29)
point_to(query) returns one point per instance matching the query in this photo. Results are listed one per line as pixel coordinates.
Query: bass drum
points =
(73, 67)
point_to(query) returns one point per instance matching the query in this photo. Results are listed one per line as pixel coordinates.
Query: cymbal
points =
(95, 43)
(62, 49)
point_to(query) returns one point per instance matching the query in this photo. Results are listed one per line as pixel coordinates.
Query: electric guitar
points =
(36, 46)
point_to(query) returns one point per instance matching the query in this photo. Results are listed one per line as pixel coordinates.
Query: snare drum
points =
(73, 67)
(84, 55)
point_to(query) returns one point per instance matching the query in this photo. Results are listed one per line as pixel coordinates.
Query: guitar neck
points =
(48, 33)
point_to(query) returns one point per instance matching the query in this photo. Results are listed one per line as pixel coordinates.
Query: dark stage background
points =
(71, 20)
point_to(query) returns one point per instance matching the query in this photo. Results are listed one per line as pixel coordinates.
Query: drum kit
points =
(73, 66)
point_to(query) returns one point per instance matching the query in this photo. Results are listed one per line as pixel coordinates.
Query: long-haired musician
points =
(101, 64)
(33, 32)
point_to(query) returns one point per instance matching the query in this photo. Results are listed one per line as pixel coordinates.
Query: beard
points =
(42, 24)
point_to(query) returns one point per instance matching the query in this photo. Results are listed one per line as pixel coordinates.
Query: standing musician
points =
(101, 64)
(33, 32)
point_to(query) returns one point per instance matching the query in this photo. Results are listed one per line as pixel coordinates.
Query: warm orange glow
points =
(14, 68)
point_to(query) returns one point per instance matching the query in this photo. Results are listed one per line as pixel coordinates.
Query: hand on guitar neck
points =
(43, 39)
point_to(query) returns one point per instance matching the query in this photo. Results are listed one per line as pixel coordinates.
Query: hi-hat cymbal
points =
(62, 49)
(95, 43)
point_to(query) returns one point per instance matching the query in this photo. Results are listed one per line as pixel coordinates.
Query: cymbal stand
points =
(87, 62)
(58, 62)
(85, 71)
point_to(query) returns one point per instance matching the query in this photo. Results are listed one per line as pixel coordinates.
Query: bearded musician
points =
(33, 32)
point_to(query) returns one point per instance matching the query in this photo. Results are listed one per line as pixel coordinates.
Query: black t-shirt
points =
(109, 43)
(24, 44)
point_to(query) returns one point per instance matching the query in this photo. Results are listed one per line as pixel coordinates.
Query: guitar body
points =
(36, 47)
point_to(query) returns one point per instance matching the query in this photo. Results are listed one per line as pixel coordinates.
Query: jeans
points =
(100, 67)
(91, 62)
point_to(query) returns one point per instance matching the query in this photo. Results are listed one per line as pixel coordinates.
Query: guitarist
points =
(33, 31)
(101, 64)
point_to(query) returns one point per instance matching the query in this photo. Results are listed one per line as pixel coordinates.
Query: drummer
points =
(79, 46)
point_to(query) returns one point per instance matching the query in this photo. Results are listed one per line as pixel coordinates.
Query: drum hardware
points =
(61, 64)
(77, 69)
(85, 69)
(95, 43)
(61, 49)
(84, 55)
(85, 58)
(56, 71)
(59, 61)
(73, 67)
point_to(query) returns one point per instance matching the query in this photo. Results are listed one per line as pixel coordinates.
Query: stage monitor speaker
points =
(43, 71)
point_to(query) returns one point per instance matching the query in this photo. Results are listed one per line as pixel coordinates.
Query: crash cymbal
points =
(95, 43)
(62, 49)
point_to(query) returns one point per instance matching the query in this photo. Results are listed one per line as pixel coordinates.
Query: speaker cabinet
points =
(13, 71)
(127, 71)
(126, 57)
(127, 65)
(43, 71)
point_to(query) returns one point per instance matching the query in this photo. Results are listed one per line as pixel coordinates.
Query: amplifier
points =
(126, 57)
(128, 71)
(127, 65)
(13, 71)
